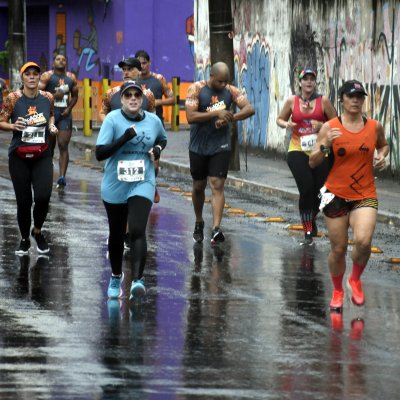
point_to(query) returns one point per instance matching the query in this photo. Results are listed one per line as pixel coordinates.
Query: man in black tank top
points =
(63, 86)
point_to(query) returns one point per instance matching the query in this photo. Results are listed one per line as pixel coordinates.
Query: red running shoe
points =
(337, 300)
(357, 294)
(336, 321)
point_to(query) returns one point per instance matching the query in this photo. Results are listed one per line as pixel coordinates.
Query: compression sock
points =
(357, 271)
(337, 282)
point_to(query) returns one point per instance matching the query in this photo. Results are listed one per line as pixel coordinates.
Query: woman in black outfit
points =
(28, 113)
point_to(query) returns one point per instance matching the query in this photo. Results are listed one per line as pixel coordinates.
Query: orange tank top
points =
(351, 176)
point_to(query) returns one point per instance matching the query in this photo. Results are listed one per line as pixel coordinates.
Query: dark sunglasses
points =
(128, 95)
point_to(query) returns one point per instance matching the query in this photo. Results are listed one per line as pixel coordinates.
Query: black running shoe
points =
(308, 240)
(198, 233)
(24, 247)
(41, 244)
(217, 236)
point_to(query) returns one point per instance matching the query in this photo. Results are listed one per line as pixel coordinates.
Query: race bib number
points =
(33, 134)
(131, 171)
(64, 101)
(307, 142)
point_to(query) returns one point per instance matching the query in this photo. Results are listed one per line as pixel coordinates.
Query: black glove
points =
(130, 133)
(156, 152)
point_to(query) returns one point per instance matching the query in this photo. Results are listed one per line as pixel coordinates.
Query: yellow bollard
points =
(105, 86)
(175, 108)
(87, 107)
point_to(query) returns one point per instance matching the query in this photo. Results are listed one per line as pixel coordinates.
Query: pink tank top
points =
(304, 136)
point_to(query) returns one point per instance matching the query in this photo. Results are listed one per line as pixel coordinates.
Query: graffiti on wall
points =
(345, 41)
(86, 46)
(252, 74)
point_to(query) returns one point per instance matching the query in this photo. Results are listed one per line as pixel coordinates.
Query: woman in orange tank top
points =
(351, 199)
(304, 114)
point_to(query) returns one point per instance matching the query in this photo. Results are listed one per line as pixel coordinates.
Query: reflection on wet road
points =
(246, 320)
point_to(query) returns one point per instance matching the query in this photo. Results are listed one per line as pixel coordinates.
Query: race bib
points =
(64, 101)
(34, 134)
(130, 171)
(307, 142)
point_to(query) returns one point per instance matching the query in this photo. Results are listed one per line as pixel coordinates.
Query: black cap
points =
(350, 87)
(307, 71)
(130, 62)
(130, 84)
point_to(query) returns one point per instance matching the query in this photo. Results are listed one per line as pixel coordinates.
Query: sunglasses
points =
(136, 95)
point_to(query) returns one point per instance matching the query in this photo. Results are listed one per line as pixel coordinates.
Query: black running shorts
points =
(339, 207)
(203, 166)
(62, 123)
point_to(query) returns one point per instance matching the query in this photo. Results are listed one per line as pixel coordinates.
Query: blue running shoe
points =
(61, 182)
(115, 286)
(138, 291)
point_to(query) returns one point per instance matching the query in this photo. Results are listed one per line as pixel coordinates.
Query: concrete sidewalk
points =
(260, 172)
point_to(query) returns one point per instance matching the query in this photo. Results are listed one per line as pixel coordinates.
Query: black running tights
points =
(308, 180)
(28, 174)
(136, 212)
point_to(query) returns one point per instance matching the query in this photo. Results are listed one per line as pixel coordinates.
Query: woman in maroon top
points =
(304, 114)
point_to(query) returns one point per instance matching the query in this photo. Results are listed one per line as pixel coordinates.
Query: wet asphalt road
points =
(246, 320)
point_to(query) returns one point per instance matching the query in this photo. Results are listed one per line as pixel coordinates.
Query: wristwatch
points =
(324, 149)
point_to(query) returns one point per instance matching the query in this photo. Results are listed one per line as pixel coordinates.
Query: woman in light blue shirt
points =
(130, 139)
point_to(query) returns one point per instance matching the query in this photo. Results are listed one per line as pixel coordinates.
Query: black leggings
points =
(136, 212)
(28, 174)
(309, 181)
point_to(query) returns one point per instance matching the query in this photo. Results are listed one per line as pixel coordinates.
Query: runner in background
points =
(112, 100)
(63, 85)
(208, 105)
(304, 114)
(349, 200)
(30, 112)
(159, 86)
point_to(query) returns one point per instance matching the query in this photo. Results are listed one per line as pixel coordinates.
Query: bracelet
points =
(324, 149)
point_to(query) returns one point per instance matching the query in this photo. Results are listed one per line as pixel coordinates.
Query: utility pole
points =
(221, 47)
(17, 38)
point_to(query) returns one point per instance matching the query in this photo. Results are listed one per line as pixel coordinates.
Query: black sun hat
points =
(353, 86)
(130, 62)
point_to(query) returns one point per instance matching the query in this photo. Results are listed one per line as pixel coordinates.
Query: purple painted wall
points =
(95, 46)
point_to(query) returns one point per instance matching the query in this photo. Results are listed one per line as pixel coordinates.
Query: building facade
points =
(274, 39)
(96, 34)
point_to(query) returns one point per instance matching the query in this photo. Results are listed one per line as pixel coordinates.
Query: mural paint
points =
(252, 72)
(342, 40)
(86, 46)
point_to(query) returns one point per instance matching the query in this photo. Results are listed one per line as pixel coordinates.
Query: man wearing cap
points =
(129, 140)
(350, 191)
(303, 115)
(30, 112)
(112, 100)
(64, 87)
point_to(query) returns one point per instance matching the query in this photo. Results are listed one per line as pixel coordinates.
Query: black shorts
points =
(203, 166)
(339, 207)
(62, 123)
